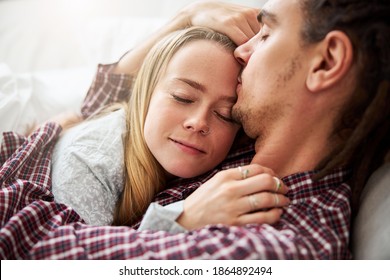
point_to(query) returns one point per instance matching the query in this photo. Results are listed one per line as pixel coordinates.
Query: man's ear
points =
(331, 62)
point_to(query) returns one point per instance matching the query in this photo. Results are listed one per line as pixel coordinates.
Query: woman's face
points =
(188, 127)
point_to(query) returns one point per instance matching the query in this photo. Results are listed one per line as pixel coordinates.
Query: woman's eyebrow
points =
(192, 84)
(200, 87)
(267, 16)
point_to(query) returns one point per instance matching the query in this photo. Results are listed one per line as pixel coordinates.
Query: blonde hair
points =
(144, 176)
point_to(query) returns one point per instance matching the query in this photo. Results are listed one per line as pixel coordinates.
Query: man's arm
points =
(310, 229)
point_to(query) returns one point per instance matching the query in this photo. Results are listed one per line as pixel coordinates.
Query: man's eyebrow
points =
(268, 16)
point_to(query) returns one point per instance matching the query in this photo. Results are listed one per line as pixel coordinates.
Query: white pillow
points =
(371, 232)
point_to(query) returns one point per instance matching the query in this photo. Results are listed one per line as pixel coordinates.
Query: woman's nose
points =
(198, 123)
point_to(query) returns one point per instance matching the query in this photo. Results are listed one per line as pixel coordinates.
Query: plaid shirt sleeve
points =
(34, 226)
(314, 227)
(106, 89)
(316, 231)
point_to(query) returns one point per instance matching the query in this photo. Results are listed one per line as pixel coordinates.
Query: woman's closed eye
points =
(225, 117)
(182, 99)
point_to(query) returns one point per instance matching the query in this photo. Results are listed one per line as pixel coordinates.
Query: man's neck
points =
(292, 151)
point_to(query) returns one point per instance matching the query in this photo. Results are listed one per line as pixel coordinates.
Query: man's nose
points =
(243, 53)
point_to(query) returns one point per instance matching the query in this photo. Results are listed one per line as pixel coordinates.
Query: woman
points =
(178, 124)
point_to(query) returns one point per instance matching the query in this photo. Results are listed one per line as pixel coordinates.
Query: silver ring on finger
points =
(254, 204)
(276, 198)
(278, 184)
(244, 173)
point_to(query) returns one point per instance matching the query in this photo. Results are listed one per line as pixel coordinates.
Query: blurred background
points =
(50, 49)
(38, 35)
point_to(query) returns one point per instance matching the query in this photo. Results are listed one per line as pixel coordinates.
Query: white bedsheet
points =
(31, 98)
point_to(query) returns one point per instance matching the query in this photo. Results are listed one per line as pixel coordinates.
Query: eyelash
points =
(264, 37)
(188, 101)
(182, 100)
(226, 119)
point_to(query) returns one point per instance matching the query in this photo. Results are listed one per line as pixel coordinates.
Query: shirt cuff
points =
(163, 218)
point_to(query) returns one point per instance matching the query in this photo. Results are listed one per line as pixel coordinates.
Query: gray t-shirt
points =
(87, 167)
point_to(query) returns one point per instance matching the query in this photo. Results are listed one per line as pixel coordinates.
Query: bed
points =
(49, 50)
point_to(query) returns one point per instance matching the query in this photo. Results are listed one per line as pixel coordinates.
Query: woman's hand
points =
(238, 196)
(236, 21)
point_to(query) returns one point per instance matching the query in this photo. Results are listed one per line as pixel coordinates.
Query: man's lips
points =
(188, 145)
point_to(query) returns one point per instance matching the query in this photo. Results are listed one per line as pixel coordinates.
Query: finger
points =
(259, 183)
(244, 172)
(247, 171)
(243, 24)
(238, 35)
(261, 217)
(262, 169)
(242, 32)
(252, 20)
(271, 200)
(248, 21)
(279, 185)
(239, 173)
(261, 201)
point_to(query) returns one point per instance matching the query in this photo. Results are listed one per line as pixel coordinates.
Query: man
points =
(314, 94)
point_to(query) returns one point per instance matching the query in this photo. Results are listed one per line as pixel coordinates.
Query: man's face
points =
(274, 74)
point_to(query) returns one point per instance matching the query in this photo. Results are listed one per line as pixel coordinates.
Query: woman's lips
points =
(187, 147)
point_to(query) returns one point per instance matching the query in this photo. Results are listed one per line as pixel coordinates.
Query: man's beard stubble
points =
(257, 123)
(258, 120)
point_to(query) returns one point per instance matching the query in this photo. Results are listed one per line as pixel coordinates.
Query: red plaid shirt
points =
(33, 226)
